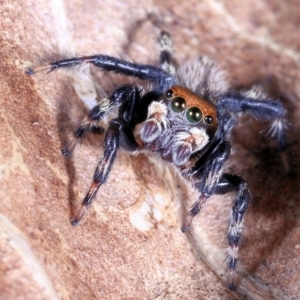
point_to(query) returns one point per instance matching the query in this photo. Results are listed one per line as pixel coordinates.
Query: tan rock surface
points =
(111, 255)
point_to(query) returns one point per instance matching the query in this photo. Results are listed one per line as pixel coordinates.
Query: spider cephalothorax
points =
(180, 124)
(186, 115)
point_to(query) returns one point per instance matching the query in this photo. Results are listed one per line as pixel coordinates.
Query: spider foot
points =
(31, 71)
(196, 207)
(231, 286)
(66, 152)
(78, 215)
(186, 225)
(231, 279)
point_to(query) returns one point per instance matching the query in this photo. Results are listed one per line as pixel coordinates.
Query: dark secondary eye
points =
(178, 104)
(208, 119)
(169, 94)
(194, 115)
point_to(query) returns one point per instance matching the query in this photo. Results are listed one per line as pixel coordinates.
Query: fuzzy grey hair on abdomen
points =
(203, 77)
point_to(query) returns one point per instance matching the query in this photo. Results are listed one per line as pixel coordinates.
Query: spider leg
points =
(90, 122)
(166, 49)
(88, 125)
(263, 109)
(156, 75)
(228, 183)
(103, 168)
(207, 171)
(119, 133)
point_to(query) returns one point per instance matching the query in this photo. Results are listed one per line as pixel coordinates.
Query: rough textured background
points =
(110, 255)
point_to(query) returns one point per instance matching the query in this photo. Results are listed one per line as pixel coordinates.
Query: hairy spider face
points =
(181, 124)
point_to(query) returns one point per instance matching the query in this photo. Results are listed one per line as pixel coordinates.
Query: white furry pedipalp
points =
(186, 143)
(155, 123)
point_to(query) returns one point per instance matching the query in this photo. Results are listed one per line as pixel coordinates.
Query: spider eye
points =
(208, 119)
(169, 94)
(194, 115)
(178, 104)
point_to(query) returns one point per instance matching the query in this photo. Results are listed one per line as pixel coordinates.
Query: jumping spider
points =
(186, 113)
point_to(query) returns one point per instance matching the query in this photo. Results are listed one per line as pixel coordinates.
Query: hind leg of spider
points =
(229, 183)
(166, 50)
(90, 122)
(210, 169)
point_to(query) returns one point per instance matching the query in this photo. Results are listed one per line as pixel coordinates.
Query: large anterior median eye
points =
(178, 104)
(194, 115)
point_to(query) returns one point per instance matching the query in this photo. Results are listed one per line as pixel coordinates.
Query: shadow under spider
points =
(274, 189)
(274, 205)
(65, 125)
(273, 211)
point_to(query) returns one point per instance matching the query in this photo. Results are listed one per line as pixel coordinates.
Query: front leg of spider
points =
(270, 110)
(208, 169)
(213, 181)
(91, 121)
(117, 128)
(156, 75)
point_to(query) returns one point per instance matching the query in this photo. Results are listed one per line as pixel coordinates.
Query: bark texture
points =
(129, 245)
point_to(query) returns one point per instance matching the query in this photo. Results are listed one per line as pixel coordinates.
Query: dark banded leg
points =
(227, 184)
(262, 109)
(166, 50)
(159, 77)
(196, 207)
(87, 126)
(90, 123)
(102, 171)
(210, 169)
(119, 133)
